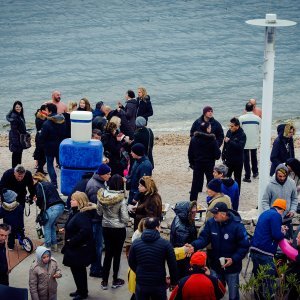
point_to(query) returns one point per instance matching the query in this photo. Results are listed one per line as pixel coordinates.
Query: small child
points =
(42, 275)
(12, 214)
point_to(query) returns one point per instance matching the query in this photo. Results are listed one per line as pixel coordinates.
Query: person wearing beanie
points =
(228, 241)
(145, 136)
(43, 274)
(229, 186)
(268, 233)
(216, 127)
(215, 196)
(202, 153)
(200, 284)
(141, 167)
(98, 181)
(79, 249)
(12, 213)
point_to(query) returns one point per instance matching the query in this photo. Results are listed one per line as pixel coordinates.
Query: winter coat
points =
(12, 214)
(220, 197)
(17, 126)
(42, 285)
(51, 195)
(267, 232)
(144, 107)
(287, 191)
(130, 112)
(251, 125)
(230, 188)
(233, 150)
(228, 239)
(283, 147)
(9, 182)
(52, 133)
(125, 127)
(92, 188)
(79, 248)
(112, 206)
(40, 119)
(183, 230)
(3, 260)
(148, 206)
(203, 148)
(147, 258)
(145, 136)
(216, 129)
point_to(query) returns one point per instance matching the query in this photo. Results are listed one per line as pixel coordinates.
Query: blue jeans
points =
(49, 229)
(232, 280)
(262, 259)
(51, 170)
(96, 267)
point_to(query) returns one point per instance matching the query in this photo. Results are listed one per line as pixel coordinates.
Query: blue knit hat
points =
(9, 196)
(103, 169)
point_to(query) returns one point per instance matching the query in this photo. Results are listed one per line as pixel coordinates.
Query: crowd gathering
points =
(202, 264)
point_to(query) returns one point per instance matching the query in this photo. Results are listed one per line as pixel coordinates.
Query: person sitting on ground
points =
(200, 284)
(43, 274)
(229, 186)
(12, 214)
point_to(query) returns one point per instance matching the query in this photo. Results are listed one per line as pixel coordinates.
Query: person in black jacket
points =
(203, 152)
(4, 232)
(183, 231)
(79, 249)
(216, 127)
(144, 109)
(283, 146)
(48, 200)
(17, 126)
(233, 150)
(52, 133)
(147, 258)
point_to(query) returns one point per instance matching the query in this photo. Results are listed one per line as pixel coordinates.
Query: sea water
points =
(187, 53)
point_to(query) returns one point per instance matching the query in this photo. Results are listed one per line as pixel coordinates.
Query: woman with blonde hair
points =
(84, 105)
(144, 108)
(49, 201)
(149, 200)
(79, 249)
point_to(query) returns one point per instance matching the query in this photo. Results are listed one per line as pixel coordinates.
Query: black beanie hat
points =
(138, 149)
(215, 185)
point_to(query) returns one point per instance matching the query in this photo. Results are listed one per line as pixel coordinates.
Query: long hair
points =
(39, 177)
(72, 106)
(150, 185)
(116, 183)
(144, 92)
(87, 104)
(116, 120)
(14, 108)
(81, 198)
(110, 127)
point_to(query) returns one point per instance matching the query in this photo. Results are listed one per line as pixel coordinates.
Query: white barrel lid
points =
(81, 115)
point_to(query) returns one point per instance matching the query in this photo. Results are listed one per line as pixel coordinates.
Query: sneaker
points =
(117, 283)
(246, 179)
(74, 294)
(255, 175)
(104, 285)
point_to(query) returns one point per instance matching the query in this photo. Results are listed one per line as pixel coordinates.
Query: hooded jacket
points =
(228, 239)
(183, 230)
(112, 207)
(287, 191)
(40, 119)
(144, 109)
(203, 148)
(52, 133)
(130, 112)
(18, 126)
(283, 147)
(12, 214)
(216, 129)
(42, 285)
(230, 188)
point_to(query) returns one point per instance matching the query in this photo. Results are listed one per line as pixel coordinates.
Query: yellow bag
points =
(131, 281)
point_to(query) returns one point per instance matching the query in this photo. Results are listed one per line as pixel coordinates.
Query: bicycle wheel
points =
(27, 244)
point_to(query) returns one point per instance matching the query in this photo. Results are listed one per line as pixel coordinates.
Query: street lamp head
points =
(271, 21)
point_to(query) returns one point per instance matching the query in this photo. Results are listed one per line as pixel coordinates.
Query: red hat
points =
(199, 259)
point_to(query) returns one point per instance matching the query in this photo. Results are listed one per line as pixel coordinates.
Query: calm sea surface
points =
(186, 53)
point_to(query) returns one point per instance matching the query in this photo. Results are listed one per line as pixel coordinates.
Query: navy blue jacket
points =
(228, 239)
(268, 231)
(147, 259)
(230, 188)
(13, 216)
(144, 108)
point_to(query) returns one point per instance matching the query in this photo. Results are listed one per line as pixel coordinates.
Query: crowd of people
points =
(98, 209)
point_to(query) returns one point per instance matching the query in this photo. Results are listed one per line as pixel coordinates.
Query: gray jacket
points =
(112, 206)
(287, 191)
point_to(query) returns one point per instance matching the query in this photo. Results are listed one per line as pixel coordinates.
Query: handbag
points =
(25, 140)
(42, 218)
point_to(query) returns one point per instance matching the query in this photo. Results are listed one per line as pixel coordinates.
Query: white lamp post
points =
(270, 23)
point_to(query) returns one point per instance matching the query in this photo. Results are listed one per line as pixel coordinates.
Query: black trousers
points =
(13, 235)
(114, 240)
(253, 153)
(4, 279)
(236, 170)
(80, 278)
(16, 158)
(206, 168)
(150, 292)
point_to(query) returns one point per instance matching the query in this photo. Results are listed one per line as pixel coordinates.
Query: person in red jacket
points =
(200, 284)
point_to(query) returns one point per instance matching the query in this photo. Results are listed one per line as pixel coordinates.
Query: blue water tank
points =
(80, 155)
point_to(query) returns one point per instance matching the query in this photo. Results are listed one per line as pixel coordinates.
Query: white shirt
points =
(251, 126)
